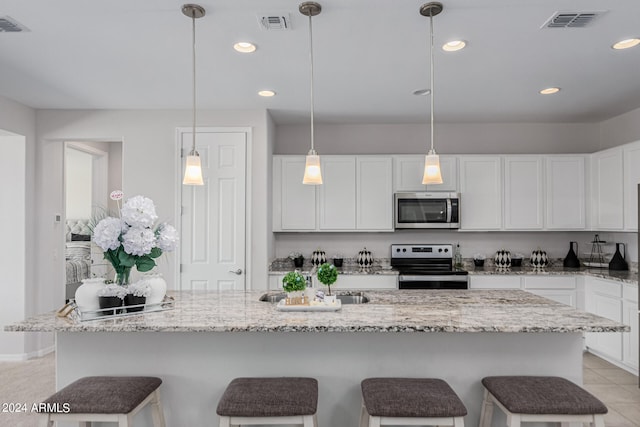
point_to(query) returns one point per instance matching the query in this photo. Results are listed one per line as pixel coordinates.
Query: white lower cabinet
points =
(630, 339)
(561, 289)
(275, 282)
(494, 282)
(604, 298)
(365, 281)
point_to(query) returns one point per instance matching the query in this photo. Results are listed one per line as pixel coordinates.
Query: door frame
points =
(247, 199)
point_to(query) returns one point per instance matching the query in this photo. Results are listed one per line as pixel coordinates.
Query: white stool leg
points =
(315, 420)
(156, 410)
(364, 416)
(513, 420)
(123, 420)
(458, 422)
(374, 421)
(598, 420)
(307, 421)
(486, 413)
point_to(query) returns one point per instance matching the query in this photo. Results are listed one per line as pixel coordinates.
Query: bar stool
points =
(284, 400)
(108, 399)
(539, 399)
(410, 401)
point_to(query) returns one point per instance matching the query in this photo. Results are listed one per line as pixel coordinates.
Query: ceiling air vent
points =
(572, 19)
(275, 21)
(10, 25)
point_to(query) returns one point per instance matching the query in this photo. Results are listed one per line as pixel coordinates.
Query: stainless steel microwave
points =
(427, 210)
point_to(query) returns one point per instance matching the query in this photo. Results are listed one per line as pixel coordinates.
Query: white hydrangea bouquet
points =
(133, 239)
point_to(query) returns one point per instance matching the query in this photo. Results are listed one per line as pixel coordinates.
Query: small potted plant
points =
(111, 296)
(294, 285)
(338, 260)
(297, 258)
(327, 275)
(138, 293)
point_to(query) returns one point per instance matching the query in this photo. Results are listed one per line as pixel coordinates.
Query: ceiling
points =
(369, 58)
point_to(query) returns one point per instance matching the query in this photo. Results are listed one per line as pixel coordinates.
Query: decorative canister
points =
(318, 257)
(539, 258)
(365, 259)
(503, 259)
(158, 286)
(87, 294)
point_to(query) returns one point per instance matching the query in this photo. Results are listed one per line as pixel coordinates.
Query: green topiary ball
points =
(327, 274)
(293, 281)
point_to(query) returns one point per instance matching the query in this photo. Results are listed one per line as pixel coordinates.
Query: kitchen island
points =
(211, 338)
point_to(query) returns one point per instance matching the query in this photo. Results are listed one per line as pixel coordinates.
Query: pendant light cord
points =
(311, 74)
(193, 32)
(431, 61)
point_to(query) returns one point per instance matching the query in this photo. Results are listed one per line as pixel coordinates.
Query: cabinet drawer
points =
(364, 281)
(550, 282)
(604, 287)
(494, 282)
(630, 292)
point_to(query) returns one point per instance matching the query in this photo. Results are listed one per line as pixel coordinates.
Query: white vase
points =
(329, 299)
(87, 294)
(158, 287)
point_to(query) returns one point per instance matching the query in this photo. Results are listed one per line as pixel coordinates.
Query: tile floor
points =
(618, 389)
(34, 380)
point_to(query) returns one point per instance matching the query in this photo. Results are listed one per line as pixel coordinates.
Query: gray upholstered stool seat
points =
(410, 401)
(269, 401)
(536, 398)
(104, 398)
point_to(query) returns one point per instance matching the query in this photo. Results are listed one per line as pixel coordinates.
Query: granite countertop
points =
(381, 266)
(387, 311)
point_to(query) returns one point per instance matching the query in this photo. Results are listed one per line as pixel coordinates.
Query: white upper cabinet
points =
(523, 193)
(631, 154)
(374, 193)
(337, 194)
(607, 189)
(408, 171)
(480, 192)
(294, 204)
(565, 193)
(356, 194)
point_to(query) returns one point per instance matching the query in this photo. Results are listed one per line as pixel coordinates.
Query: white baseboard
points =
(21, 357)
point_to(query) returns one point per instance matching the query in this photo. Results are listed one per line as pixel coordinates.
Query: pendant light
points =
(432, 174)
(312, 172)
(193, 166)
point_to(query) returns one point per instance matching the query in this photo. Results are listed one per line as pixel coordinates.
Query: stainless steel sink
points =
(355, 298)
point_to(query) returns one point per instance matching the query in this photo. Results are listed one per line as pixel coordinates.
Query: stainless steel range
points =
(427, 267)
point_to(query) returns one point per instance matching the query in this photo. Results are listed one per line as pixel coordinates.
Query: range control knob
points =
(446, 250)
(440, 250)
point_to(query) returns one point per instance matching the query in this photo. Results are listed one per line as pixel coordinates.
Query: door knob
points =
(238, 271)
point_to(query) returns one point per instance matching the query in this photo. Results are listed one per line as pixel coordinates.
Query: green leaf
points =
(145, 263)
(126, 260)
(155, 252)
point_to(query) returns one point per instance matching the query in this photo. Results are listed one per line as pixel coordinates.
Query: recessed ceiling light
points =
(422, 92)
(550, 90)
(245, 47)
(454, 45)
(266, 93)
(626, 44)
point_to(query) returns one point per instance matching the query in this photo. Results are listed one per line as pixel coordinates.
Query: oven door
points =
(446, 281)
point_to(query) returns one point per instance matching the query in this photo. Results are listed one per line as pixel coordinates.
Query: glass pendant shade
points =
(432, 174)
(312, 172)
(193, 170)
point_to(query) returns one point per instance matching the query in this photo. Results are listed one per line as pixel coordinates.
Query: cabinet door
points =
(408, 171)
(294, 204)
(631, 181)
(337, 194)
(374, 193)
(565, 297)
(523, 193)
(365, 281)
(494, 282)
(480, 192)
(607, 190)
(565, 193)
(607, 343)
(630, 339)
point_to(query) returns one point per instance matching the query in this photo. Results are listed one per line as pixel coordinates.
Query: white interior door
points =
(213, 215)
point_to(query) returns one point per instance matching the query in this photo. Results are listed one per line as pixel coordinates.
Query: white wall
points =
(459, 138)
(78, 184)
(20, 119)
(149, 168)
(12, 229)
(620, 129)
